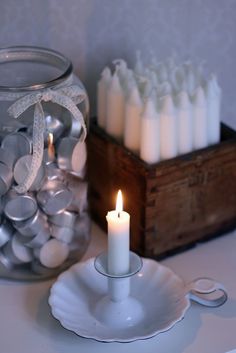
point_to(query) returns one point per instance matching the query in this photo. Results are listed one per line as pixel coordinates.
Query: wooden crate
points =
(173, 204)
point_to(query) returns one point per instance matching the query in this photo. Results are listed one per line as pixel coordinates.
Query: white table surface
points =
(27, 325)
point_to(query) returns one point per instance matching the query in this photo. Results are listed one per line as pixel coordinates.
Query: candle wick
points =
(118, 214)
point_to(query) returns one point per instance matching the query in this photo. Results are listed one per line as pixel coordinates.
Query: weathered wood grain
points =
(174, 203)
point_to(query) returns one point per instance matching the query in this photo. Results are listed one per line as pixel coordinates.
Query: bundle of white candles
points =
(161, 110)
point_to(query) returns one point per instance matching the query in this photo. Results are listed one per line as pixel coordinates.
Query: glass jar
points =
(45, 226)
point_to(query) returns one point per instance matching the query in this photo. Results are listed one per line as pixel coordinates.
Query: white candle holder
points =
(125, 309)
(118, 308)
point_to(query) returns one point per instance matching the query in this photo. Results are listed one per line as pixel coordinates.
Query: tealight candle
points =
(6, 262)
(19, 143)
(7, 157)
(80, 195)
(20, 207)
(55, 200)
(37, 240)
(64, 234)
(21, 170)
(71, 154)
(82, 227)
(118, 239)
(53, 253)
(49, 153)
(6, 178)
(64, 219)
(17, 252)
(6, 231)
(40, 239)
(31, 226)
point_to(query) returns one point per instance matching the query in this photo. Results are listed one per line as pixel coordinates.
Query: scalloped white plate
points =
(161, 292)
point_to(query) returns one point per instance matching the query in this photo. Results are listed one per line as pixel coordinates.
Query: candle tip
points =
(50, 138)
(119, 203)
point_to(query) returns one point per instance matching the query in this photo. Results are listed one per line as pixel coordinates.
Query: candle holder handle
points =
(118, 308)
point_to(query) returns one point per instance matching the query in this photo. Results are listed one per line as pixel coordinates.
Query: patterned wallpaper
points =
(94, 32)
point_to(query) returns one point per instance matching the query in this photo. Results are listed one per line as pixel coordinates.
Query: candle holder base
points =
(118, 308)
(158, 300)
(120, 315)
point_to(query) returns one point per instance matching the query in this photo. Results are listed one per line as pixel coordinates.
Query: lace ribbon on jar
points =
(66, 97)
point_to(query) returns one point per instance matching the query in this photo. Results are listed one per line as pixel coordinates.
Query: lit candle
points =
(51, 149)
(49, 153)
(118, 239)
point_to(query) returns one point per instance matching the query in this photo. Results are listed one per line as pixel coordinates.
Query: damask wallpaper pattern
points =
(94, 32)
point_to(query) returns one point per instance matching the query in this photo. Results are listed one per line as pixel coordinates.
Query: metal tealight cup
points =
(54, 200)
(6, 178)
(7, 157)
(71, 154)
(19, 143)
(6, 232)
(21, 171)
(32, 225)
(64, 219)
(20, 207)
(64, 234)
(17, 252)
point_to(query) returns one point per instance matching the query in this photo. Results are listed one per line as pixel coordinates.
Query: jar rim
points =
(40, 55)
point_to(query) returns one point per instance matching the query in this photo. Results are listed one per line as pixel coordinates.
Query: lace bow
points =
(66, 97)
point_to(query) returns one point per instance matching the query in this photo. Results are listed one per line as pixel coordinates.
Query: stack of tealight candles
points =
(48, 226)
(161, 110)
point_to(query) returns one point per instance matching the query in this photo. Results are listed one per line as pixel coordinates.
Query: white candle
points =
(150, 133)
(199, 119)
(133, 109)
(185, 120)
(115, 108)
(102, 89)
(213, 96)
(168, 128)
(122, 70)
(118, 239)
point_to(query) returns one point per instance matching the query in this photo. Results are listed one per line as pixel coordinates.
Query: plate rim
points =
(116, 339)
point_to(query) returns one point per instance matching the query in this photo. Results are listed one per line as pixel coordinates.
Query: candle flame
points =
(119, 203)
(50, 139)
(51, 149)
